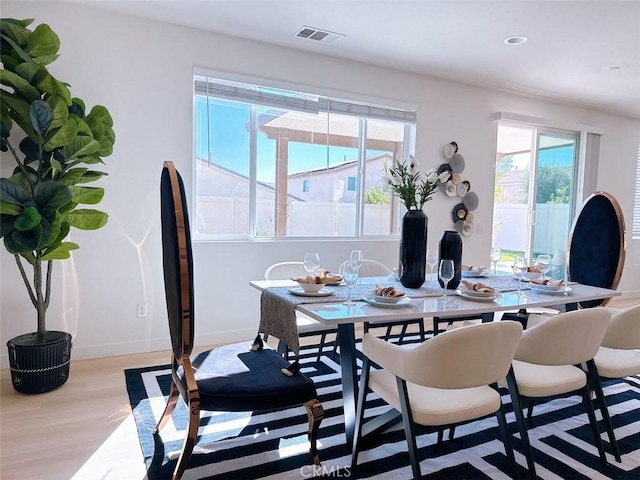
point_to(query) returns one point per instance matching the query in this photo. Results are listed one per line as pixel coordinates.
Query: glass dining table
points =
(279, 304)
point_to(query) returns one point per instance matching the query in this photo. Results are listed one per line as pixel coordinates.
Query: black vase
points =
(450, 248)
(413, 249)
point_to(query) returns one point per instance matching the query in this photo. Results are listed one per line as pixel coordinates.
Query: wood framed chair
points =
(447, 380)
(307, 326)
(544, 366)
(597, 245)
(230, 378)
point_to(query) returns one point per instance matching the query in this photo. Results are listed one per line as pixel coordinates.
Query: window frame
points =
(408, 146)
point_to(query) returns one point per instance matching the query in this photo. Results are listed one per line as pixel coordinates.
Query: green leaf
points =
(28, 256)
(92, 176)
(20, 112)
(63, 136)
(50, 197)
(6, 224)
(87, 195)
(73, 176)
(80, 147)
(43, 42)
(77, 107)
(21, 86)
(12, 193)
(20, 52)
(41, 116)
(28, 219)
(87, 219)
(60, 252)
(83, 128)
(60, 111)
(32, 73)
(7, 208)
(20, 242)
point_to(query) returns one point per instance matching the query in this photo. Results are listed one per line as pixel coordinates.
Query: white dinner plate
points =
(381, 299)
(557, 291)
(468, 296)
(528, 276)
(473, 293)
(473, 273)
(324, 292)
(371, 300)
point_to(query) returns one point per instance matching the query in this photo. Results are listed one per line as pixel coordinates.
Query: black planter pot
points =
(450, 248)
(39, 365)
(413, 249)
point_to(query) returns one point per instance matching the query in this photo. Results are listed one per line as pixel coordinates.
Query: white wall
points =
(142, 71)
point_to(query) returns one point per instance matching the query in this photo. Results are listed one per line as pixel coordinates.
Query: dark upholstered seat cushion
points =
(233, 378)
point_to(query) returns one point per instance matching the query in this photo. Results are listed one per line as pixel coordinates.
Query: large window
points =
(279, 163)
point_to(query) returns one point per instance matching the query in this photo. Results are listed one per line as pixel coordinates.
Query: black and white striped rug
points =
(274, 444)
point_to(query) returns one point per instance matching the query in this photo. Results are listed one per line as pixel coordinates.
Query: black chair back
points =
(177, 261)
(597, 244)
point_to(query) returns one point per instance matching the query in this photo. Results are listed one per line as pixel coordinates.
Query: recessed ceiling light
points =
(517, 40)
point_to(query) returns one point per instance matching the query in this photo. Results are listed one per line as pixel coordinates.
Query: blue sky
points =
(230, 143)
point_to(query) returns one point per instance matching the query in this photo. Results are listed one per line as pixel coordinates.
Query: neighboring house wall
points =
(332, 184)
(144, 75)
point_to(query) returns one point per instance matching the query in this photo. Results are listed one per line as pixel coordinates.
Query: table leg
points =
(347, 339)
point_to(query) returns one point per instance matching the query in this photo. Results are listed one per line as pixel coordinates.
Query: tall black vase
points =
(450, 248)
(413, 249)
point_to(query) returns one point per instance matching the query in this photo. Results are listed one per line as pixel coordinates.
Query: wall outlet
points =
(142, 310)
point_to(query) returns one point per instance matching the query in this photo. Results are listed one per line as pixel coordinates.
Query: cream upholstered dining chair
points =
(231, 378)
(446, 380)
(619, 354)
(306, 326)
(374, 268)
(544, 366)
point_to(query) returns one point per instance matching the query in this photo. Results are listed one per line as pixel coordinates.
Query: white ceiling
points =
(568, 58)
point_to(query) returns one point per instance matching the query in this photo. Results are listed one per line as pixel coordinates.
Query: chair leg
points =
(362, 396)
(323, 337)
(421, 330)
(407, 420)
(189, 441)
(594, 383)
(530, 408)
(335, 346)
(403, 332)
(452, 432)
(440, 435)
(506, 439)
(172, 401)
(586, 399)
(520, 421)
(315, 412)
(388, 334)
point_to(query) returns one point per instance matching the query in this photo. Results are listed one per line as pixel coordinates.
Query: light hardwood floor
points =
(83, 430)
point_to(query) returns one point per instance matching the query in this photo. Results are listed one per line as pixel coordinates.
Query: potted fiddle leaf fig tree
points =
(53, 143)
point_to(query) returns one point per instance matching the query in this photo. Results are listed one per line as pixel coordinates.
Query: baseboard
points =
(146, 346)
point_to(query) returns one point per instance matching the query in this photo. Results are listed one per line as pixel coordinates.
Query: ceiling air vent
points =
(318, 35)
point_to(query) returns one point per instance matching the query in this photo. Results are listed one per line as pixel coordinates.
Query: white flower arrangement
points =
(413, 189)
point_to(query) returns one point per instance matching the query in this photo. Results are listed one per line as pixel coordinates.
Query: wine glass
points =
(520, 267)
(311, 262)
(432, 259)
(356, 255)
(446, 272)
(496, 256)
(543, 262)
(350, 276)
